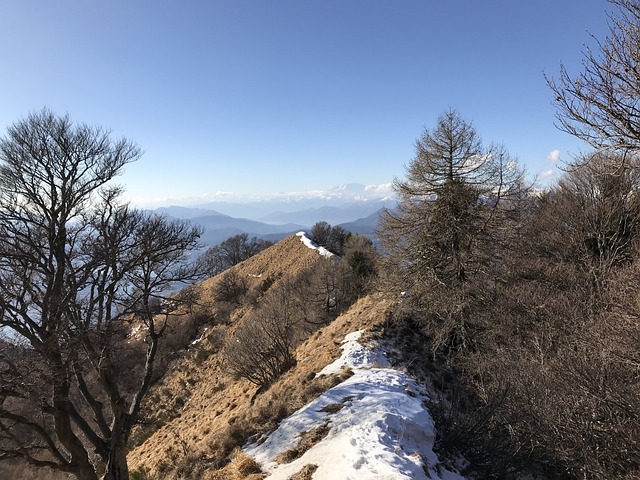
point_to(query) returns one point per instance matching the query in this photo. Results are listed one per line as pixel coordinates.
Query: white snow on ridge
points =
(380, 431)
(309, 243)
(355, 355)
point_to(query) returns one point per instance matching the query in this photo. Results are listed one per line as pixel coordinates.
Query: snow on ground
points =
(199, 339)
(309, 243)
(378, 427)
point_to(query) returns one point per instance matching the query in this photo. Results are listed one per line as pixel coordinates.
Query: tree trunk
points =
(117, 468)
(80, 464)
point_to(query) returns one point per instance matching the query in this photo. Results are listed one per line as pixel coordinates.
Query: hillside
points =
(205, 414)
(343, 407)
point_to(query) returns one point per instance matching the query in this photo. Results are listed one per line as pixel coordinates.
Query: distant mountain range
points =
(355, 207)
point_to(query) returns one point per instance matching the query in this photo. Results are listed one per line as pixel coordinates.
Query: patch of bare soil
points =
(306, 441)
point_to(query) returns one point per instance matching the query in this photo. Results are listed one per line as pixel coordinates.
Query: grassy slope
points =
(206, 413)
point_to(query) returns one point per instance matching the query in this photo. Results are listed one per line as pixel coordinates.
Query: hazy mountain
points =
(354, 206)
(256, 207)
(253, 210)
(218, 227)
(331, 214)
(364, 226)
(176, 211)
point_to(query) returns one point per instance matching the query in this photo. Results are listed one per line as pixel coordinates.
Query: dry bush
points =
(261, 348)
(306, 473)
(231, 288)
(241, 467)
(569, 369)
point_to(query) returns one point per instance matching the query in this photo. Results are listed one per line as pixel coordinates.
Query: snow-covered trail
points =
(377, 426)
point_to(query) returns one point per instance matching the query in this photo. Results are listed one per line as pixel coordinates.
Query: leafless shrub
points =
(262, 347)
(231, 288)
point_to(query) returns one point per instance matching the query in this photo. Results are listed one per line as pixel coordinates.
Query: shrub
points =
(332, 238)
(262, 347)
(231, 288)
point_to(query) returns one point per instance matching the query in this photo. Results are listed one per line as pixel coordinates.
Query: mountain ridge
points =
(213, 412)
(274, 225)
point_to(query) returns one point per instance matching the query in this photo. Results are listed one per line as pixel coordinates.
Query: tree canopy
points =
(601, 104)
(451, 201)
(76, 265)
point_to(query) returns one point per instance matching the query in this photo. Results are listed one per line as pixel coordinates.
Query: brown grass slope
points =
(198, 415)
(195, 415)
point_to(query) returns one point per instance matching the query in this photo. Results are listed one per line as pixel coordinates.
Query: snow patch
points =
(378, 426)
(355, 355)
(199, 339)
(313, 246)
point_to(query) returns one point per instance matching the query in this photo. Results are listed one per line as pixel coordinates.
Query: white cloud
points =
(547, 173)
(554, 156)
(384, 187)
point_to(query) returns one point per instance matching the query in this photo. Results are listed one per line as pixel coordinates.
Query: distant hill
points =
(263, 221)
(218, 227)
(185, 212)
(252, 211)
(331, 214)
(364, 226)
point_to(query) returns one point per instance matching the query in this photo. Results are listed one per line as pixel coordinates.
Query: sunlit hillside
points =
(204, 414)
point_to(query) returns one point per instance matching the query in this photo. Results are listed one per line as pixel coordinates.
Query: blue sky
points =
(260, 97)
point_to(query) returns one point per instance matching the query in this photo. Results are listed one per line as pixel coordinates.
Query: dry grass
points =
(241, 467)
(306, 473)
(335, 407)
(332, 408)
(307, 440)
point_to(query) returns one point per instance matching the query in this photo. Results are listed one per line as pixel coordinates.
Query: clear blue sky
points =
(257, 96)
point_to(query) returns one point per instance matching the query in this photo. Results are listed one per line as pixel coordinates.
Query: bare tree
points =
(445, 241)
(601, 105)
(333, 238)
(361, 256)
(454, 191)
(591, 218)
(232, 251)
(321, 233)
(262, 347)
(75, 264)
